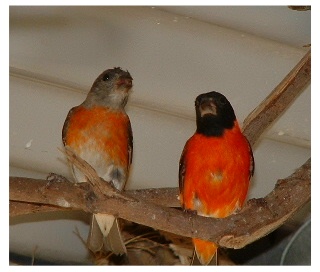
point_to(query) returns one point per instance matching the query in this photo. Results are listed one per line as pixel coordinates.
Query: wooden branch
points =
(20, 208)
(258, 218)
(167, 197)
(278, 100)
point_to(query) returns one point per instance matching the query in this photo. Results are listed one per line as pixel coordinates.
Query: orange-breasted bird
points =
(99, 131)
(215, 166)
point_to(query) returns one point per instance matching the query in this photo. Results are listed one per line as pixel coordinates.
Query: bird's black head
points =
(214, 114)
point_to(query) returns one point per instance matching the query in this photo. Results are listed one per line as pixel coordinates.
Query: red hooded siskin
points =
(215, 166)
(99, 131)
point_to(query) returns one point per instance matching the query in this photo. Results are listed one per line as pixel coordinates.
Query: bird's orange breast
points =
(217, 173)
(101, 131)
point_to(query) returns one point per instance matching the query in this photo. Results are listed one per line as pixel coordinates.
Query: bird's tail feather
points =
(105, 234)
(205, 251)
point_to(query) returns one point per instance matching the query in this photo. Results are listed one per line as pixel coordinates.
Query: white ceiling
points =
(173, 54)
(278, 23)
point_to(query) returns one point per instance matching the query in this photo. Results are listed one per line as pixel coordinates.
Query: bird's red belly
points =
(99, 131)
(217, 177)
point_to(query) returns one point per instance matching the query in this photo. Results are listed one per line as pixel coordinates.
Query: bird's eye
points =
(106, 77)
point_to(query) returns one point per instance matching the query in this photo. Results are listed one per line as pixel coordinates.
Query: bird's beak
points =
(125, 81)
(208, 107)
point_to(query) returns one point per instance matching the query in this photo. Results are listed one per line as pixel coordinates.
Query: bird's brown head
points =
(111, 88)
(214, 114)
